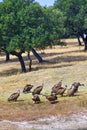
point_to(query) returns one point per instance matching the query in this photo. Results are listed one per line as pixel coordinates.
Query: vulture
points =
(77, 84)
(61, 90)
(14, 96)
(56, 87)
(27, 88)
(51, 98)
(59, 84)
(36, 98)
(71, 91)
(37, 90)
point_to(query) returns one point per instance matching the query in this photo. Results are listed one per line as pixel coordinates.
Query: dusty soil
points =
(74, 122)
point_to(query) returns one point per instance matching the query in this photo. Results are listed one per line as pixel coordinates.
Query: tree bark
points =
(19, 55)
(83, 35)
(7, 56)
(39, 58)
(37, 55)
(78, 37)
(30, 63)
(84, 40)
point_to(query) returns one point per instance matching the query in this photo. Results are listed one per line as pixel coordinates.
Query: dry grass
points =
(68, 63)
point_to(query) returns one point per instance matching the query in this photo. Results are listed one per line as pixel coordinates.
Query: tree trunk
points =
(84, 40)
(23, 69)
(37, 55)
(30, 63)
(19, 55)
(39, 58)
(7, 56)
(78, 37)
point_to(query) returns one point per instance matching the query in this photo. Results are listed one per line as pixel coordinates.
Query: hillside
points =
(68, 63)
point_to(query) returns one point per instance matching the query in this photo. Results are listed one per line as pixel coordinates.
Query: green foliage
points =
(25, 25)
(75, 12)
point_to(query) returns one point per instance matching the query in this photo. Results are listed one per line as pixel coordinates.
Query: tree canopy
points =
(76, 14)
(25, 25)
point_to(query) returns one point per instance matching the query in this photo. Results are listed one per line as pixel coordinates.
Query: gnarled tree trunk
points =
(30, 63)
(37, 55)
(19, 55)
(78, 37)
(85, 41)
(83, 35)
(39, 58)
(7, 56)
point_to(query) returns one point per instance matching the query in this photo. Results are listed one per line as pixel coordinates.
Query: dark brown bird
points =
(14, 96)
(27, 88)
(61, 90)
(71, 91)
(51, 98)
(36, 99)
(37, 90)
(56, 87)
(59, 84)
(77, 84)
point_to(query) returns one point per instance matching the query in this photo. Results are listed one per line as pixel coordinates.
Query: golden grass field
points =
(68, 63)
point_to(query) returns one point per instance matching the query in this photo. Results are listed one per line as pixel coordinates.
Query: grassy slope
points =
(68, 63)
